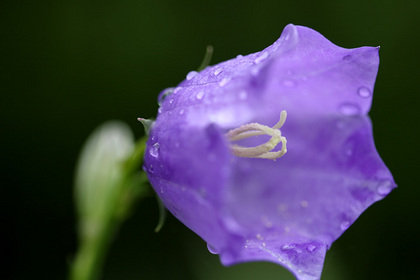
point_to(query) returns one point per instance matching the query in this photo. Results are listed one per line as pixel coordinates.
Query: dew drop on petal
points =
(243, 95)
(364, 92)
(239, 56)
(200, 95)
(165, 93)
(218, 71)
(261, 58)
(191, 75)
(347, 58)
(349, 109)
(344, 225)
(311, 247)
(224, 82)
(154, 150)
(212, 249)
(384, 187)
(255, 71)
(287, 247)
(181, 112)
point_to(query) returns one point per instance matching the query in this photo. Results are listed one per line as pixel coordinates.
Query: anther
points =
(255, 129)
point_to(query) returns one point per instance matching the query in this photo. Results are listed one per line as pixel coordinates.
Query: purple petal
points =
(287, 211)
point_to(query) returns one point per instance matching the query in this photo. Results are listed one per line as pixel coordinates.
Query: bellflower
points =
(270, 156)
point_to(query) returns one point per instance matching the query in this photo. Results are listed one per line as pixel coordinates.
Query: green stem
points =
(96, 233)
(90, 258)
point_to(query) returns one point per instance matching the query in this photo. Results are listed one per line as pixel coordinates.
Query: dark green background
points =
(68, 66)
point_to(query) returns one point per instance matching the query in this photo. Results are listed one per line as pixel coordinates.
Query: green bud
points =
(100, 176)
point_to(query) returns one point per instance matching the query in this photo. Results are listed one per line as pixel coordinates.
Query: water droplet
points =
(181, 112)
(171, 101)
(289, 83)
(364, 92)
(239, 56)
(261, 58)
(177, 89)
(200, 95)
(191, 75)
(255, 71)
(349, 109)
(163, 94)
(344, 225)
(384, 187)
(218, 71)
(154, 150)
(311, 247)
(212, 249)
(224, 82)
(287, 247)
(160, 110)
(347, 58)
(259, 236)
(243, 95)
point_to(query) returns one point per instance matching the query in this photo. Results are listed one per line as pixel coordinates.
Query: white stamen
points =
(256, 129)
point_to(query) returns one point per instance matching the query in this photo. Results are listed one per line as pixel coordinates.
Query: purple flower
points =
(222, 166)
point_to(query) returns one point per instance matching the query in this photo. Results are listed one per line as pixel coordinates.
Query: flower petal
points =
(318, 77)
(311, 195)
(287, 211)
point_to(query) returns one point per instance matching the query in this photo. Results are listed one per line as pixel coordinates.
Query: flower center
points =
(255, 129)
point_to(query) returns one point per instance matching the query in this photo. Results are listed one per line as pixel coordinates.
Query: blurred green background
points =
(68, 66)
